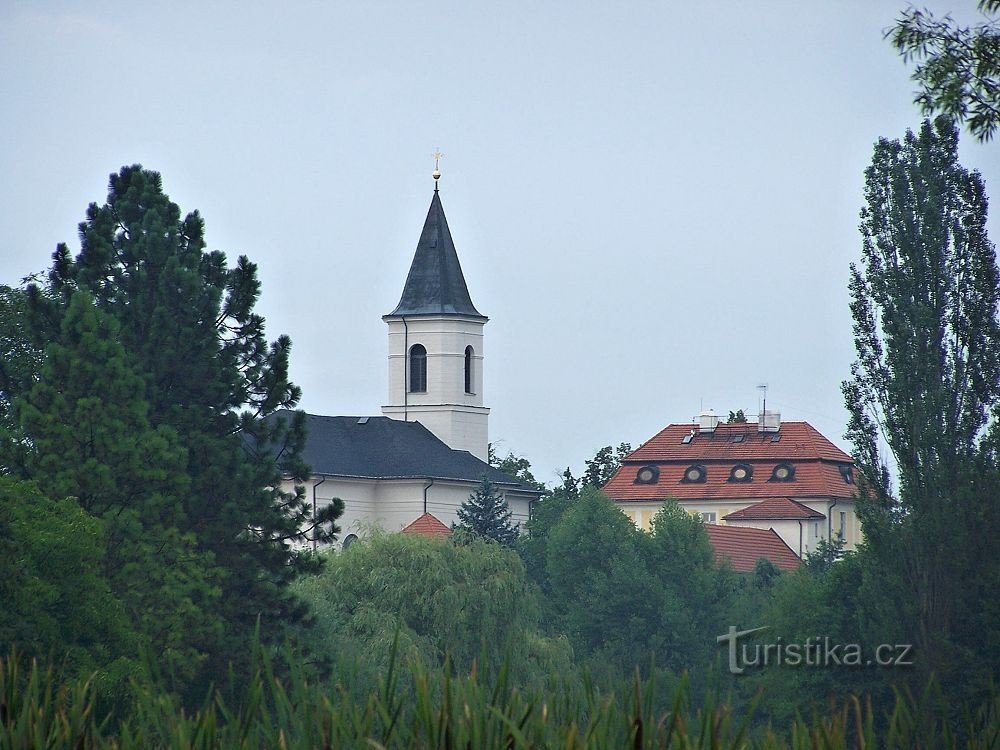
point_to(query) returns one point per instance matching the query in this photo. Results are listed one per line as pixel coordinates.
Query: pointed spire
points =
(435, 284)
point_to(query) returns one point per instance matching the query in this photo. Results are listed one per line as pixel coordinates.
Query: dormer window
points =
(694, 474)
(741, 473)
(418, 369)
(647, 475)
(783, 473)
(846, 473)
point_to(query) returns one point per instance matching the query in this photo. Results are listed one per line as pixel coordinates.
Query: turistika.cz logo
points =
(814, 652)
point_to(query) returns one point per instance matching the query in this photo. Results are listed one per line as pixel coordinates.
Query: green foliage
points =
(927, 379)
(958, 67)
(486, 515)
(40, 710)
(469, 603)
(515, 466)
(622, 595)
(827, 552)
(604, 464)
(56, 602)
(20, 357)
(156, 407)
(736, 417)
(91, 439)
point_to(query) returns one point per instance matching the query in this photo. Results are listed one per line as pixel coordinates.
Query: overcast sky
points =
(654, 202)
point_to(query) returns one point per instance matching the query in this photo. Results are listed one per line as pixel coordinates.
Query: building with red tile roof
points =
(766, 474)
(742, 547)
(428, 525)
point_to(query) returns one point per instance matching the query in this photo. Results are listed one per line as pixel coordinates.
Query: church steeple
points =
(436, 344)
(436, 284)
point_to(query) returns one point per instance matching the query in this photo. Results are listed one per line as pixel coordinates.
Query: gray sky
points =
(654, 202)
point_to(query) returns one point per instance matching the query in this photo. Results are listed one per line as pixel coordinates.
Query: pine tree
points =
(186, 322)
(91, 440)
(486, 514)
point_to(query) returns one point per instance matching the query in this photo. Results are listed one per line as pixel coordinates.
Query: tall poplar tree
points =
(186, 322)
(927, 380)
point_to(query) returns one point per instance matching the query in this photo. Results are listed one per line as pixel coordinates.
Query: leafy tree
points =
(545, 514)
(958, 68)
(622, 595)
(186, 323)
(737, 417)
(604, 464)
(927, 379)
(486, 515)
(457, 601)
(56, 601)
(827, 552)
(515, 466)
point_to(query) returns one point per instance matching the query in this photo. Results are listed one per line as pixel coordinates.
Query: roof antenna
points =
(763, 390)
(436, 174)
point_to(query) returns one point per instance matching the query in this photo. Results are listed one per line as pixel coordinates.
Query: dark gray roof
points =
(383, 448)
(435, 284)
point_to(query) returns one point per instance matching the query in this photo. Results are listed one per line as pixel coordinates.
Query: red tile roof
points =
(427, 525)
(798, 441)
(816, 461)
(742, 547)
(775, 509)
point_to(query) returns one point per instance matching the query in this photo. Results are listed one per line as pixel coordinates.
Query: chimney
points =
(769, 421)
(708, 421)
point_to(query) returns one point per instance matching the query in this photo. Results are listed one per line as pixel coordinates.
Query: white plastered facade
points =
(454, 415)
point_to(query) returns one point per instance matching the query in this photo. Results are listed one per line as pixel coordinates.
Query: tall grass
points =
(440, 710)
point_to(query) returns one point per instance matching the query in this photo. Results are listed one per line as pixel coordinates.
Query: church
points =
(413, 467)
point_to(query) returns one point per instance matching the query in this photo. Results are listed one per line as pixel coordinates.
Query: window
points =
(845, 472)
(468, 369)
(741, 473)
(647, 475)
(707, 517)
(783, 473)
(694, 473)
(418, 369)
(843, 525)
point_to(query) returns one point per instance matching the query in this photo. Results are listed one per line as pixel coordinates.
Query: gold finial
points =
(436, 174)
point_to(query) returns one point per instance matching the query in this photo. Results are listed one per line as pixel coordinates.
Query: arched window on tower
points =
(418, 369)
(468, 369)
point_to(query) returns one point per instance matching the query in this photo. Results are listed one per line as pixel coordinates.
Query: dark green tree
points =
(56, 601)
(486, 515)
(623, 596)
(604, 464)
(736, 417)
(90, 438)
(187, 324)
(927, 381)
(515, 466)
(958, 67)
(20, 358)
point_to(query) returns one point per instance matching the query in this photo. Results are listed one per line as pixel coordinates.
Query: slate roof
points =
(818, 465)
(775, 509)
(428, 525)
(435, 284)
(383, 448)
(742, 547)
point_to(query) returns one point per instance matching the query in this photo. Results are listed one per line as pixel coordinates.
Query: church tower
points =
(436, 344)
